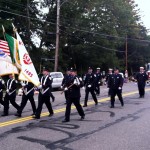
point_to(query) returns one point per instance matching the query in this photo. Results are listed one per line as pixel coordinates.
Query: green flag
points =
(14, 53)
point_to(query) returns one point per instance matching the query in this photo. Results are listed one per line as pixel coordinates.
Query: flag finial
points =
(3, 29)
(14, 28)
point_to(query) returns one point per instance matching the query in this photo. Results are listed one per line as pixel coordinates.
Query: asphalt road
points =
(126, 128)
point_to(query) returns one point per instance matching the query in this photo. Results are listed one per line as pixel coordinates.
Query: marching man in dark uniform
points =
(28, 94)
(73, 86)
(64, 82)
(89, 84)
(115, 84)
(107, 78)
(1, 91)
(98, 81)
(44, 94)
(10, 95)
(141, 79)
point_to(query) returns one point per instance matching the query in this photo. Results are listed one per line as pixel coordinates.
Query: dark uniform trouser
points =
(52, 96)
(44, 99)
(109, 92)
(66, 96)
(141, 89)
(1, 98)
(117, 92)
(12, 101)
(25, 98)
(76, 102)
(87, 91)
(97, 89)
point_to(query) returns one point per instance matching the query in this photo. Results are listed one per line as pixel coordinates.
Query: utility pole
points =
(126, 53)
(57, 36)
(28, 15)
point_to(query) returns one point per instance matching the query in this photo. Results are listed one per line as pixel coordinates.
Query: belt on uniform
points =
(9, 93)
(26, 93)
(44, 91)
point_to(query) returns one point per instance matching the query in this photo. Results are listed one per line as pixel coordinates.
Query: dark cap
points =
(45, 69)
(67, 69)
(72, 69)
(116, 68)
(90, 68)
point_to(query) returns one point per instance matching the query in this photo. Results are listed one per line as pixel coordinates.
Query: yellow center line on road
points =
(24, 119)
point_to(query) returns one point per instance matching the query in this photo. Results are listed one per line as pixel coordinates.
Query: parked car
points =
(57, 79)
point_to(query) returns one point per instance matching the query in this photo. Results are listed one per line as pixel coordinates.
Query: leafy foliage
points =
(92, 32)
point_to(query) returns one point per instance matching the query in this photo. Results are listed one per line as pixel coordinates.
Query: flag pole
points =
(3, 32)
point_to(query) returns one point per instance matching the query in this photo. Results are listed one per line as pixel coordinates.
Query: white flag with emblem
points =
(27, 68)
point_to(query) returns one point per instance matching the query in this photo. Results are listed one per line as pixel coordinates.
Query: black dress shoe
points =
(122, 104)
(35, 117)
(4, 115)
(112, 107)
(65, 120)
(50, 115)
(82, 117)
(84, 105)
(96, 103)
(18, 115)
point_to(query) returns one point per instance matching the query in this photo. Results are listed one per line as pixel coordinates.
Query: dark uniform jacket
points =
(115, 81)
(28, 89)
(74, 91)
(90, 80)
(46, 82)
(108, 76)
(65, 80)
(141, 78)
(98, 78)
(1, 85)
(11, 86)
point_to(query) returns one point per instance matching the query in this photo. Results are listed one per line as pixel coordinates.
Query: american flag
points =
(4, 47)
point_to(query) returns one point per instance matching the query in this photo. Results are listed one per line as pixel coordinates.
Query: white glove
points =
(119, 88)
(40, 87)
(99, 82)
(75, 82)
(80, 79)
(61, 87)
(23, 84)
(3, 82)
(83, 88)
(89, 86)
(66, 89)
(7, 90)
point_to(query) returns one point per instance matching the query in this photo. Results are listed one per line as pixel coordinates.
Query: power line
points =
(82, 30)
(13, 3)
(110, 49)
(26, 16)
